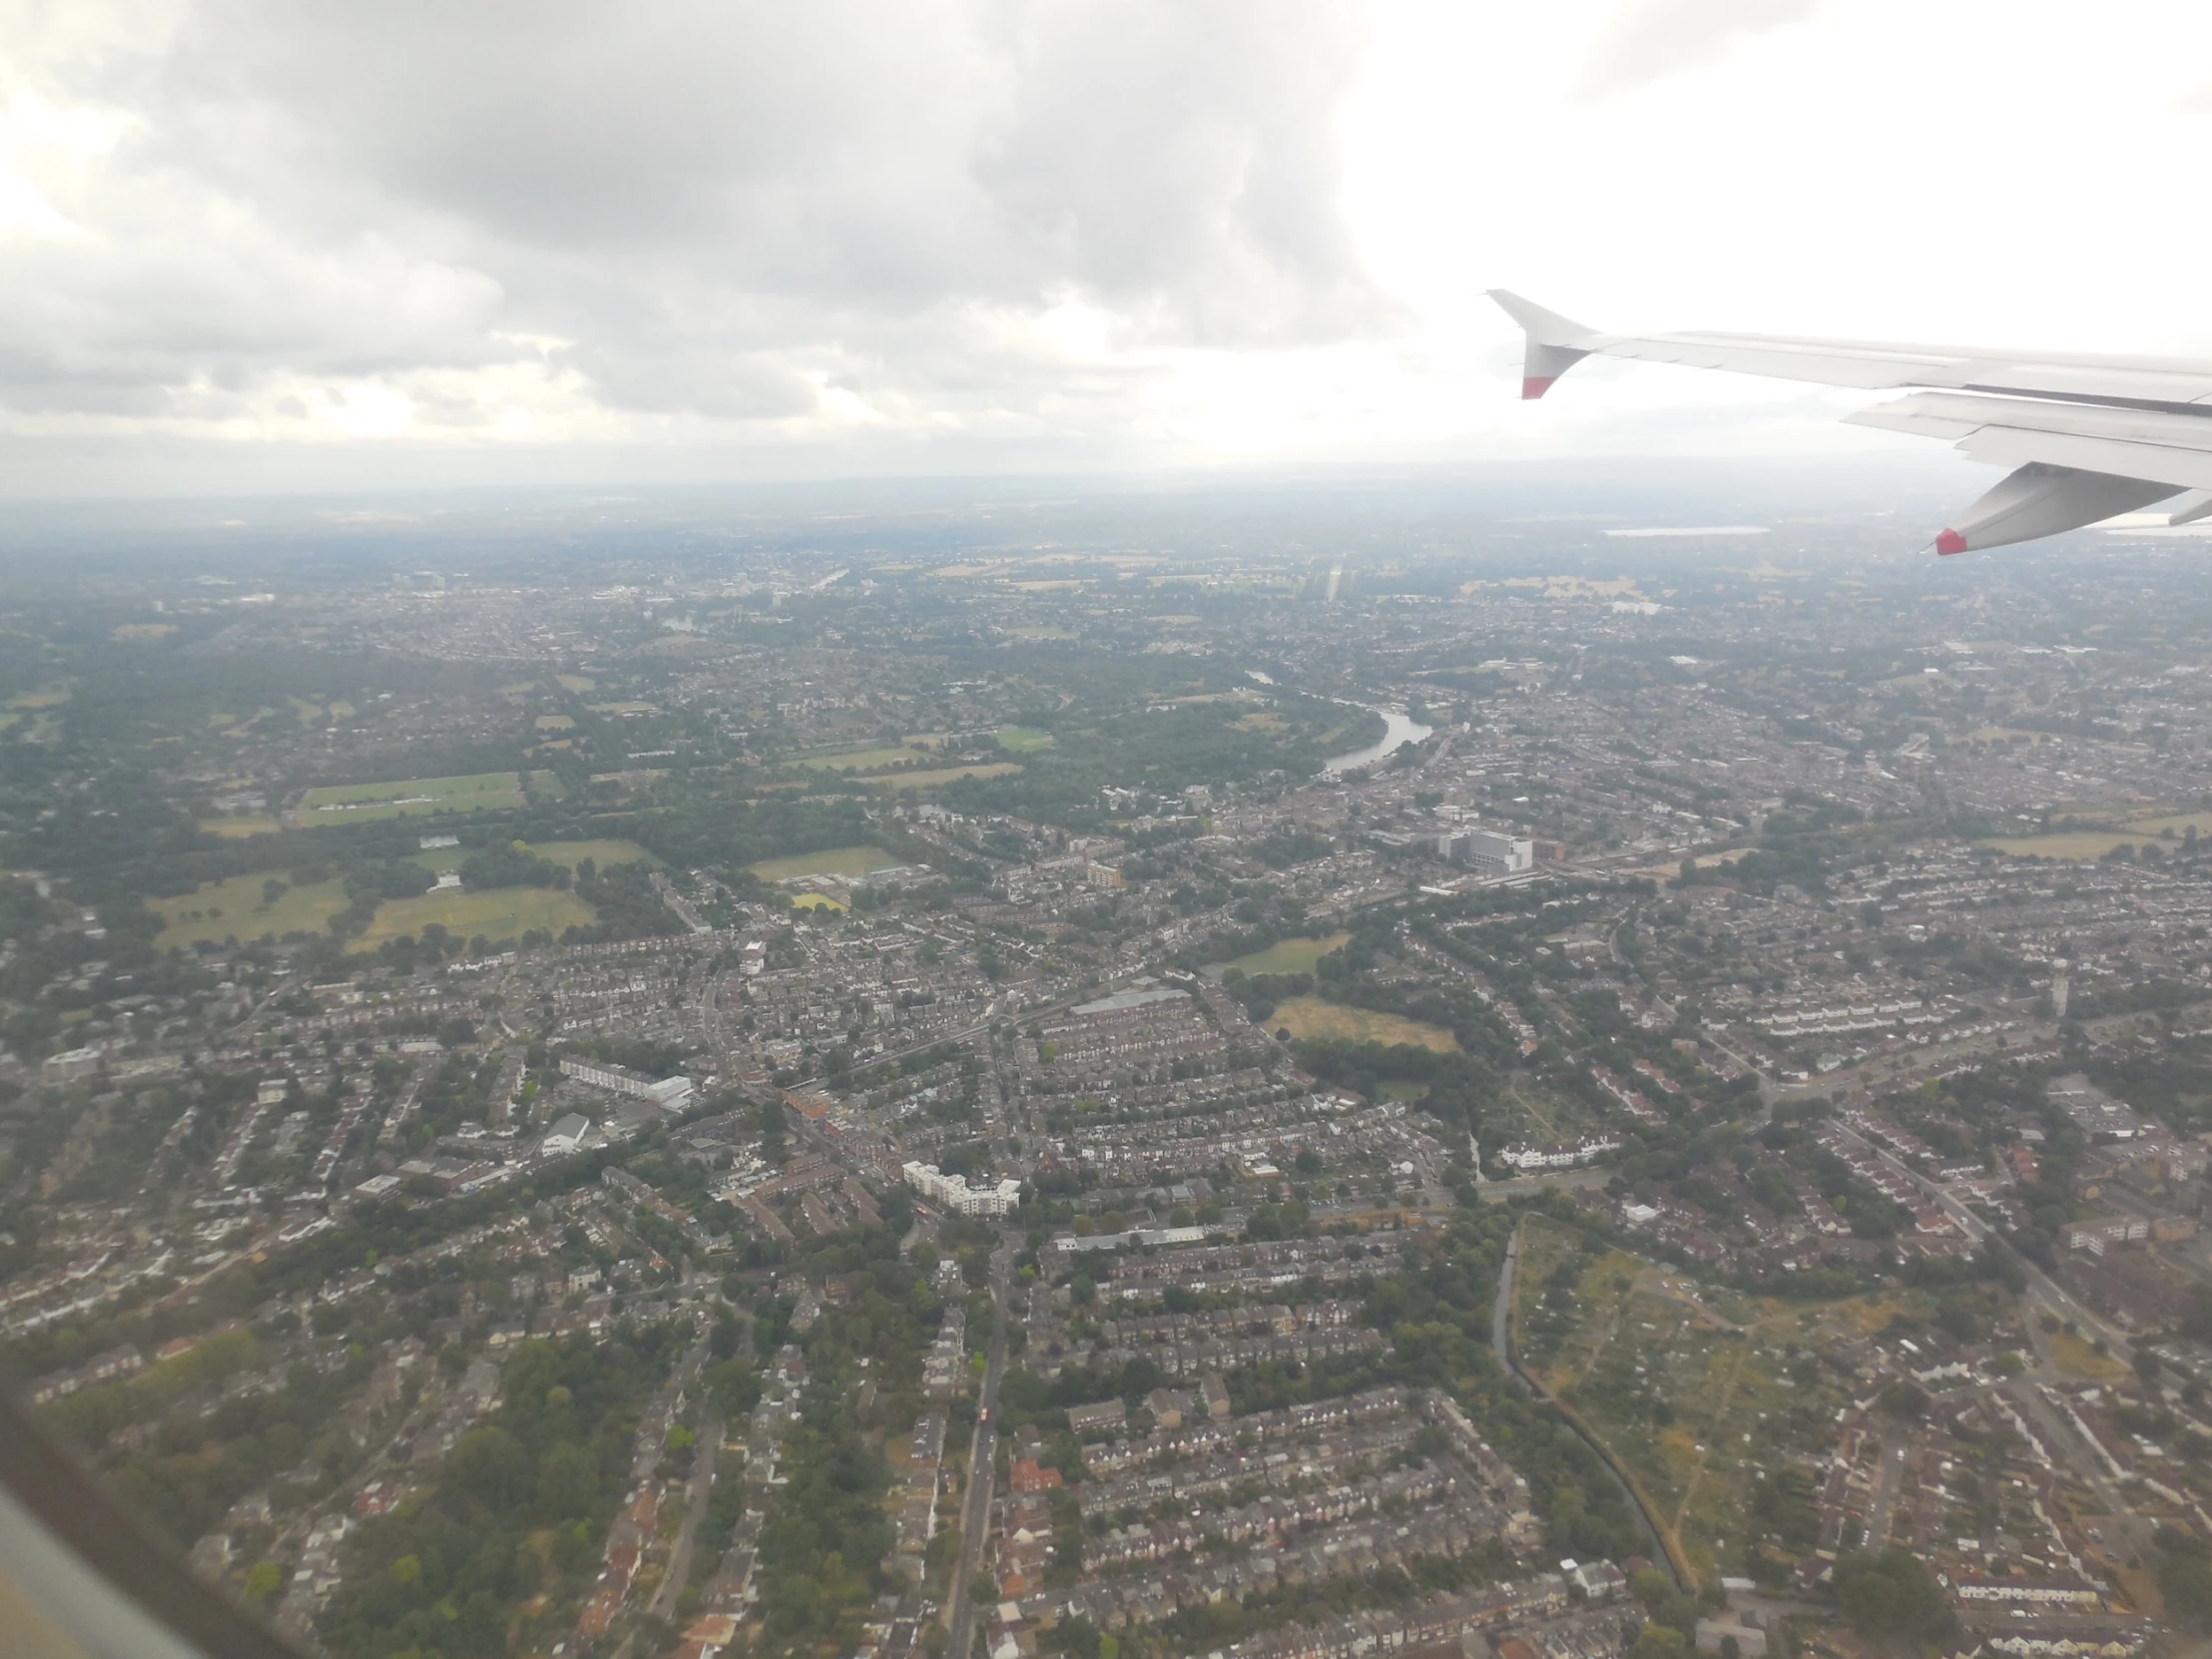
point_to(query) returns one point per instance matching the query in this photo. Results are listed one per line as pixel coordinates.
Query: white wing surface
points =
(2090, 435)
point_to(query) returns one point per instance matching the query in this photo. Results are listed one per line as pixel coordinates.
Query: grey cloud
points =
(716, 208)
(1648, 39)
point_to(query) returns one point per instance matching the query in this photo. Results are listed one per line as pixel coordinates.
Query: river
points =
(1397, 730)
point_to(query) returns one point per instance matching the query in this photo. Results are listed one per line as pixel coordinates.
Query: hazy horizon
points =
(248, 248)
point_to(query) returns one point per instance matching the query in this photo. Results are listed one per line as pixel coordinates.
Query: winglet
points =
(1550, 351)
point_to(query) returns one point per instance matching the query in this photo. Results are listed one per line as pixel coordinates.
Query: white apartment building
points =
(953, 1192)
(670, 1094)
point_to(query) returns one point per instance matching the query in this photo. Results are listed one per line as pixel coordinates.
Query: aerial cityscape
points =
(1105, 829)
(1038, 1074)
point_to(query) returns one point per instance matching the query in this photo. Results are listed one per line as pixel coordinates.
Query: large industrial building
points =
(1486, 851)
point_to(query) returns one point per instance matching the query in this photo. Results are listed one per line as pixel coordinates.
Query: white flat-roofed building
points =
(954, 1193)
(1494, 855)
(670, 1094)
(566, 1135)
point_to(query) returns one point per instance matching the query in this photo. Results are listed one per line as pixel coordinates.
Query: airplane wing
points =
(2089, 436)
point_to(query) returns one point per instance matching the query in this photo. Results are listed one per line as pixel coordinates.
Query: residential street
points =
(975, 1512)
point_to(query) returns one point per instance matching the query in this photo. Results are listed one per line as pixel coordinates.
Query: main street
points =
(975, 1512)
(2126, 1533)
(2043, 1290)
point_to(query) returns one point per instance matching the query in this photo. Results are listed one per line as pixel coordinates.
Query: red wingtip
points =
(1951, 541)
(1535, 385)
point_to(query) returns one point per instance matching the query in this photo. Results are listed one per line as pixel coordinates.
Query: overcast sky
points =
(434, 239)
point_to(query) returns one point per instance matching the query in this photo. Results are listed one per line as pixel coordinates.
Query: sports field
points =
(364, 803)
(1023, 740)
(1309, 1018)
(503, 913)
(235, 908)
(848, 861)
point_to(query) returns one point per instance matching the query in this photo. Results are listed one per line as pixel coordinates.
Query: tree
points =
(1892, 1595)
(566, 1483)
(491, 1467)
(1904, 1400)
(2184, 1578)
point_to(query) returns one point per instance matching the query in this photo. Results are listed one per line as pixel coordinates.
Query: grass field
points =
(503, 913)
(239, 898)
(361, 802)
(555, 723)
(1309, 1018)
(2087, 845)
(568, 854)
(850, 861)
(238, 829)
(857, 759)
(817, 901)
(941, 775)
(576, 682)
(2080, 846)
(1023, 740)
(2077, 1359)
(1289, 955)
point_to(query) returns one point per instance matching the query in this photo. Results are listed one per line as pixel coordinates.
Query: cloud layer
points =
(1647, 40)
(716, 239)
(575, 220)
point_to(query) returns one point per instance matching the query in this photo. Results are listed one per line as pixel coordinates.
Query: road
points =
(1889, 1475)
(695, 1515)
(2123, 1534)
(975, 1512)
(1520, 1184)
(2043, 1290)
(2129, 1534)
(1502, 1310)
